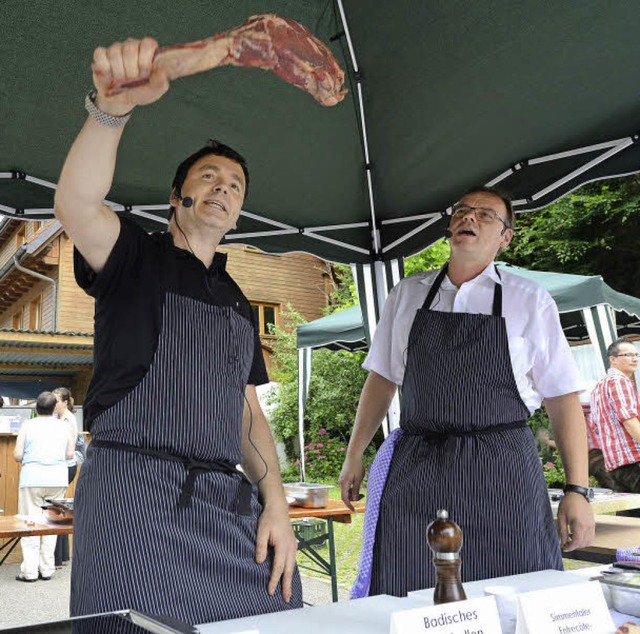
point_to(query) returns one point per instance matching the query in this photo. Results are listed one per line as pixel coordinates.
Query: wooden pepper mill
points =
(445, 540)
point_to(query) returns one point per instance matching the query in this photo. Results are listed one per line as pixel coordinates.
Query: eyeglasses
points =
(482, 214)
(630, 355)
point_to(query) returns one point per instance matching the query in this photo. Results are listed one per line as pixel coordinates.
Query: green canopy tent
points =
(536, 96)
(343, 330)
(339, 331)
(589, 309)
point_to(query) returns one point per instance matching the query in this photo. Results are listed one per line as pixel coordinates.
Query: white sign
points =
(476, 616)
(574, 609)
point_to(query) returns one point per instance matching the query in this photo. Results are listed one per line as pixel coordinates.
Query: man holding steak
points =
(164, 522)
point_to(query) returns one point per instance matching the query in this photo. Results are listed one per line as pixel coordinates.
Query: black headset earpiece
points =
(187, 201)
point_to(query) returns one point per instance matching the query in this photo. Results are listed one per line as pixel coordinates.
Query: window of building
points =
(16, 320)
(266, 315)
(21, 235)
(35, 314)
(36, 226)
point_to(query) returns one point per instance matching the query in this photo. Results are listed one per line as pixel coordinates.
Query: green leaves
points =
(591, 232)
(431, 258)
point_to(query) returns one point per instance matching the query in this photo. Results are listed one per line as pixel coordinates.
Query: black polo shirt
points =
(129, 294)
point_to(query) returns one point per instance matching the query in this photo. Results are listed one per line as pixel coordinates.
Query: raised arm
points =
(87, 174)
(375, 400)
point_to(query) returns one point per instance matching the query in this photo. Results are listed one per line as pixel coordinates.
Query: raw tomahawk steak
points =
(266, 41)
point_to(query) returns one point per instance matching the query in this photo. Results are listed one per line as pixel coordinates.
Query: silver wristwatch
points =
(103, 118)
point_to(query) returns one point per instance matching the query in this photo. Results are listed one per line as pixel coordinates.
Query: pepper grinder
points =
(445, 540)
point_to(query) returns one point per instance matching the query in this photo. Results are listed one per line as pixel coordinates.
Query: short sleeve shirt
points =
(542, 363)
(613, 401)
(129, 293)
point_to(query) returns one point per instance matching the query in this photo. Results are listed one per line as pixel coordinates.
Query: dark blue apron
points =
(463, 445)
(164, 523)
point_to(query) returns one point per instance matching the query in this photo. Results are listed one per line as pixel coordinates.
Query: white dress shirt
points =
(542, 363)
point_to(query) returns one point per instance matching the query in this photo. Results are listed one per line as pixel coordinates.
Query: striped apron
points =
(164, 523)
(463, 445)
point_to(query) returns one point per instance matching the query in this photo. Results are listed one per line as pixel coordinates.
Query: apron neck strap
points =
(497, 296)
(435, 287)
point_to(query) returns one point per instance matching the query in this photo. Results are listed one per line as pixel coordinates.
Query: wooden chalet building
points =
(46, 320)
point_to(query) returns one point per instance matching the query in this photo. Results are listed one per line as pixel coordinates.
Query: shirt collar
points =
(219, 262)
(616, 372)
(489, 273)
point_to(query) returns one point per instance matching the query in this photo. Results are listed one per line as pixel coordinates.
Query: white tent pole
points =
(585, 168)
(581, 150)
(393, 415)
(363, 127)
(595, 339)
(151, 207)
(613, 326)
(411, 233)
(395, 272)
(393, 221)
(606, 324)
(301, 403)
(339, 243)
(349, 225)
(381, 286)
(268, 221)
(144, 214)
(260, 234)
(553, 157)
(373, 290)
(309, 353)
(370, 301)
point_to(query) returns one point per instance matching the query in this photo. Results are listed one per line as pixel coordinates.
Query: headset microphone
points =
(448, 233)
(187, 201)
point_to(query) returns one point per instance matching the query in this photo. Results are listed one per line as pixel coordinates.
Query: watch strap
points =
(109, 120)
(586, 493)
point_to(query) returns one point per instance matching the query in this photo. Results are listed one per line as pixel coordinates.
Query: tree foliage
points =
(431, 258)
(344, 294)
(593, 231)
(336, 381)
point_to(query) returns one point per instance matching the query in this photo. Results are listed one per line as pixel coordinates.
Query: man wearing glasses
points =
(476, 351)
(614, 416)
